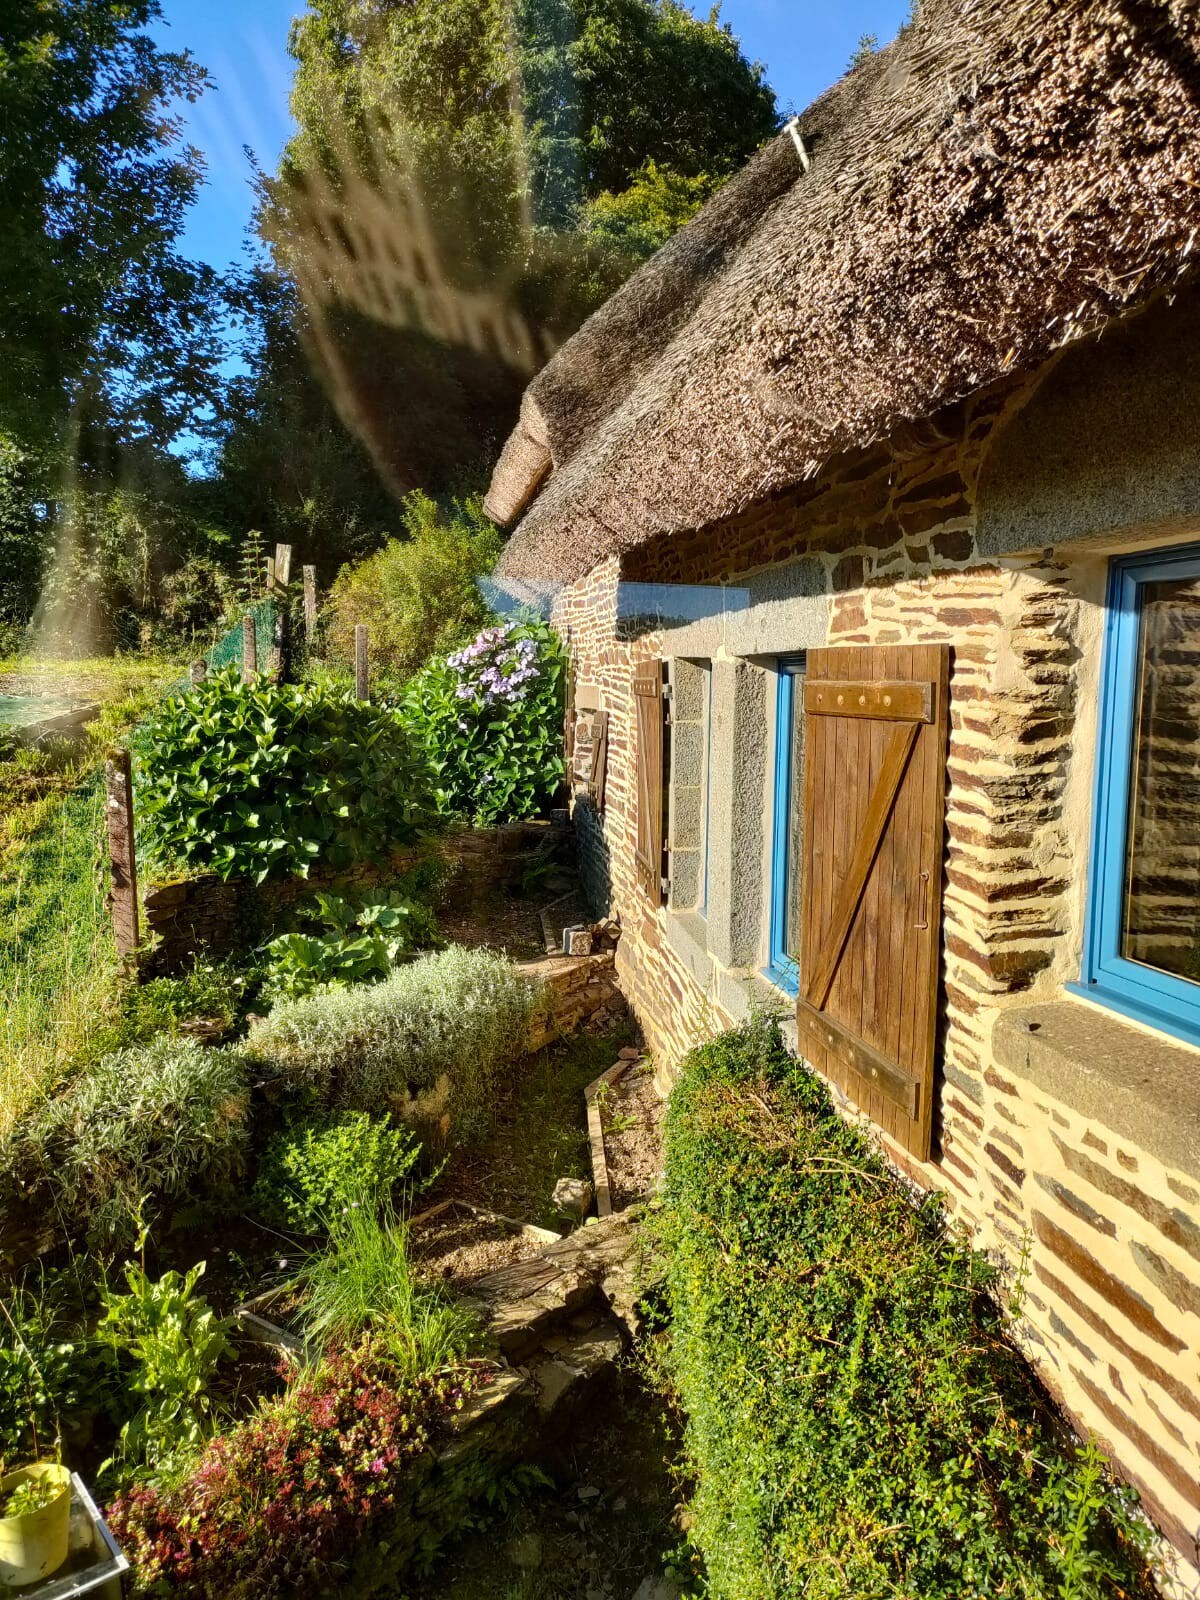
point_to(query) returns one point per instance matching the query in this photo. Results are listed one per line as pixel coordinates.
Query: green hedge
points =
(858, 1421)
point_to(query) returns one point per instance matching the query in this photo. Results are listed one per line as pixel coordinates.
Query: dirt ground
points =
(631, 1114)
(606, 1523)
(456, 1247)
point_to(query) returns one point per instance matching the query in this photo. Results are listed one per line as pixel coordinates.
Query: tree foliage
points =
(551, 145)
(99, 309)
(418, 594)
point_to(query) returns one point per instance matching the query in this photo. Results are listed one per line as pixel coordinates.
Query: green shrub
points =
(449, 1022)
(167, 1343)
(418, 594)
(859, 1422)
(363, 943)
(39, 1372)
(312, 1175)
(489, 719)
(258, 779)
(362, 1283)
(155, 1120)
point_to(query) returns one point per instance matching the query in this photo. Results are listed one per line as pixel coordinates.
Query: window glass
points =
(1142, 947)
(1161, 921)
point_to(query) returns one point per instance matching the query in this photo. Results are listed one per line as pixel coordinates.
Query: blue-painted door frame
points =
(781, 968)
(1158, 998)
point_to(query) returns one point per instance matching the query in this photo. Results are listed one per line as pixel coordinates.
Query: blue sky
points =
(243, 43)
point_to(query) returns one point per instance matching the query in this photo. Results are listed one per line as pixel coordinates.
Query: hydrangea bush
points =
(489, 719)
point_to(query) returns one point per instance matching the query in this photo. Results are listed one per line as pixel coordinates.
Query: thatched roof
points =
(1007, 176)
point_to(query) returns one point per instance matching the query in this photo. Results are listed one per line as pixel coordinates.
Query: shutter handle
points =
(923, 903)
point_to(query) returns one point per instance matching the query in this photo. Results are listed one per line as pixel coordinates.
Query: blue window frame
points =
(787, 828)
(1142, 939)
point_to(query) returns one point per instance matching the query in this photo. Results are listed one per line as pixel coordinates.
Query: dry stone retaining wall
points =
(1110, 1233)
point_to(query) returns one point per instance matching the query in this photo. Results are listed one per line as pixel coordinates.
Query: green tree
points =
(98, 308)
(553, 144)
(418, 594)
(109, 334)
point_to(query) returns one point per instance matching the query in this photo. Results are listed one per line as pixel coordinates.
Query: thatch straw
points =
(1008, 176)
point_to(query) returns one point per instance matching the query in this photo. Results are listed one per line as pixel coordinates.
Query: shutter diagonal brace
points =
(883, 798)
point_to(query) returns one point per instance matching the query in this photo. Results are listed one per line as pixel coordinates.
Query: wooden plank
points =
(310, 603)
(599, 775)
(892, 771)
(880, 898)
(361, 668)
(249, 647)
(874, 1067)
(934, 755)
(892, 700)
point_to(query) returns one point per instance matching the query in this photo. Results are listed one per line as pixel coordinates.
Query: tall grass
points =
(363, 1282)
(57, 961)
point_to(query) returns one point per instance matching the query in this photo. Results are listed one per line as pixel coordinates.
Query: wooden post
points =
(283, 565)
(360, 660)
(279, 594)
(123, 896)
(198, 672)
(249, 648)
(310, 603)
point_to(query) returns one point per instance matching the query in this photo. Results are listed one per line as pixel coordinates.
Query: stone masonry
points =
(883, 550)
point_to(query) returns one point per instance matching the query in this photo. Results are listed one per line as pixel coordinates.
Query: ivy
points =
(860, 1421)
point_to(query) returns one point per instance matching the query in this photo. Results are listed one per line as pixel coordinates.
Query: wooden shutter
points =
(874, 811)
(648, 711)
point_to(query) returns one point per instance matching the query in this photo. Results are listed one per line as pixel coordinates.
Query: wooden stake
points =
(310, 603)
(360, 660)
(123, 896)
(283, 565)
(279, 647)
(249, 648)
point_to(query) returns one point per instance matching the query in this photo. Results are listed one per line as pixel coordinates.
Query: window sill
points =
(1143, 1086)
(687, 935)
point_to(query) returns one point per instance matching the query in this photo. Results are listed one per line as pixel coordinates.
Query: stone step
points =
(526, 1303)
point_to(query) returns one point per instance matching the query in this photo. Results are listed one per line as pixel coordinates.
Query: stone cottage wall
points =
(1106, 1225)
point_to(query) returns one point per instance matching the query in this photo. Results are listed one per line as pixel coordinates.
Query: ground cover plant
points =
(356, 941)
(274, 1503)
(259, 779)
(446, 1024)
(489, 720)
(858, 1420)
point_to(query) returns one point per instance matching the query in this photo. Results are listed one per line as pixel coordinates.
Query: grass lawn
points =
(57, 963)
